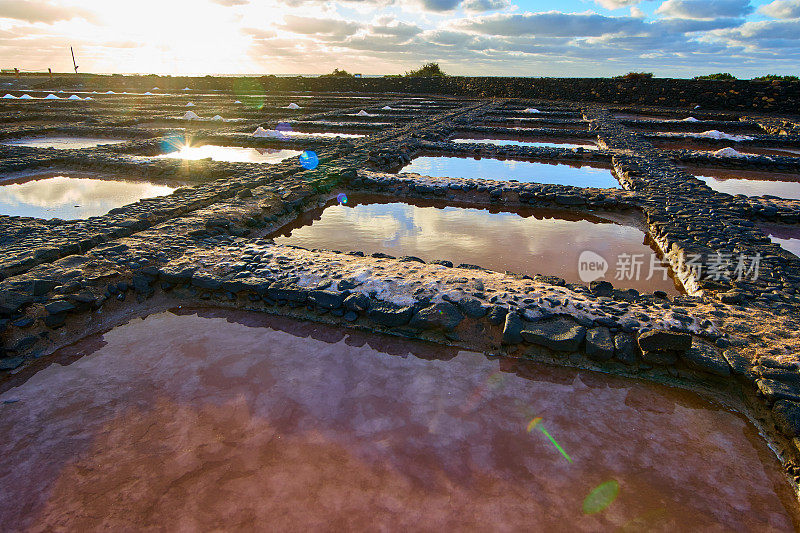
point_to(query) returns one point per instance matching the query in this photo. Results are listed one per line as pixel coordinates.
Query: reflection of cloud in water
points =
(791, 245)
(750, 187)
(498, 241)
(523, 171)
(62, 142)
(233, 154)
(57, 197)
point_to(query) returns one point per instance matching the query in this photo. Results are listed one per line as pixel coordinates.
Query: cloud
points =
(315, 26)
(484, 5)
(782, 9)
(32, 11)
(705, 9)
(231, 3)
(440, 5)
(551, 23)
(617, 4)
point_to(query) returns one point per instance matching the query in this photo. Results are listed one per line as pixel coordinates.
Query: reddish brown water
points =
(750, 150)
(223, 421)
(516, 140)
(534, 241)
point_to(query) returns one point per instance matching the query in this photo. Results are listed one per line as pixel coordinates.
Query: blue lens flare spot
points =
(283, 127)
(309, 160)
(341, 198)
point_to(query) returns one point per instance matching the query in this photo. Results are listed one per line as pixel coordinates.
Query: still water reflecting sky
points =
(62, 142)
(233, 154)
(522, 171)
(540, 242)
(66, 197)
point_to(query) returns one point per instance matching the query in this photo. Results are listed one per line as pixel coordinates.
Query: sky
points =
(574, 38)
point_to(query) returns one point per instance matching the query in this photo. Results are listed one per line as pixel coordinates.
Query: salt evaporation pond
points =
(750, 183)
(233, 154)
(533, 241)
(505, 170)
(211, 420)
(70, 197)
(519, 141)
(788, 237)
(672, 144)
(292, 133)
(62, 142)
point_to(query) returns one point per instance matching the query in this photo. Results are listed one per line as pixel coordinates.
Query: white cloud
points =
(782, 9)
(705, 9)
(33, 11)
(617, 4)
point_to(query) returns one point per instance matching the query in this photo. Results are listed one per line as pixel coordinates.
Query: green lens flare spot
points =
(601, 497)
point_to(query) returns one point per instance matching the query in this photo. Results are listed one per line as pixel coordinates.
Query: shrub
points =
(428, 70)
(635, 76)
(776, 77)
(337, 74)
(723, 76)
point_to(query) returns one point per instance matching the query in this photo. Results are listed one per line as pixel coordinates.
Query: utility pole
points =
(73, 60)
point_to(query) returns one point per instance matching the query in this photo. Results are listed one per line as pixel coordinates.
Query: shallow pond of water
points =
(500, 140)
(62, 142)
(293, 133)
(233, 154)
(749, 150)
(534, 241)
(750, 183)
(505, 170)
(70, 197)
(190, 420)
(788, 237)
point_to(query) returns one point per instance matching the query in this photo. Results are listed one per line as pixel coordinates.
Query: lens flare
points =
(341, 198)
(309, 160)
(249, 92)
(283, 127)
(601, 497)
(173, 143)
(536, 423)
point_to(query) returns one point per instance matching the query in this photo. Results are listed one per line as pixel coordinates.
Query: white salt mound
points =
(148, 93)
(10, 97)
(186, 89)
(362, 113)
(191, 115)
(88, 98)
(217, 117)
(238, 102)
(729, 152)
(386, 108)
(690, 119)
(51, 96)
(531, 110)
(110, 92)
(74, 97)
(26, 97)
(261, 132)
(190, 104)
(292, 106)
(716, 134)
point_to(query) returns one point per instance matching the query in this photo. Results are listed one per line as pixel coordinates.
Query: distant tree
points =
(635, 76)
(337, 74)
(720, 76)
(776, 77)
(428, 70)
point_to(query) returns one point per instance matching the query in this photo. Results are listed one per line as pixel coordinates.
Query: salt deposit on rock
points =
(74, 97)
(362, 113)
(191, 115)
(26, 97)
(238, 102)
(530, 110)
(88, 98)
(186, 89)
(387, 108)
(729, 152)
(217, 117)
(690, 119)
(292, 106)
(10, 97)
(190, 104)
(110, 92)
(148, 93)
(716, 134)
(154, 89)
(261, 132)
(51, 96)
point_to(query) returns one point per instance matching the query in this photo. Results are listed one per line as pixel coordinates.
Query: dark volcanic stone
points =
(11, 302)
(660, 357)
(472, 307)
(59, 307)
(559, 334)
(141, 284)
(443, 315)
(739, 363)
(288, 292)
(206, 281)
(497, 314)
(599, 345)
(327, 299)
(787, 417)
(625, 349)
(389, 314)
(660, 340)
(703, 357)
(10, 363)
(357, 302)
(512, 329)
(775, 390)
